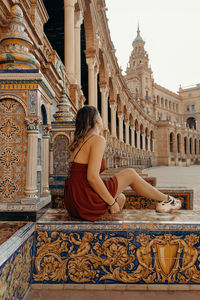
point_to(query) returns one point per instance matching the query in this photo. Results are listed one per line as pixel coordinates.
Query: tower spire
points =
(138, 30)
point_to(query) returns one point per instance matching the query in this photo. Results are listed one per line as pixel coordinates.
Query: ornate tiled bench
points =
(134, 249)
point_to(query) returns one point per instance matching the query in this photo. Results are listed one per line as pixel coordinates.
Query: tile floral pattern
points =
(60, 154)
(16, 272)
(13, 148)
(96, 257)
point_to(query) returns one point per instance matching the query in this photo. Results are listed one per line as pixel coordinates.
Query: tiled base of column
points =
(24, 212)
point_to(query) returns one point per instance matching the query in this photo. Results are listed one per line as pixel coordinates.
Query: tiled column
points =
(45, 160)
(120, 117)
(104, 104)
(78, 22)
(31, 165)
(127, 131)
(113, 108)
(69, 37)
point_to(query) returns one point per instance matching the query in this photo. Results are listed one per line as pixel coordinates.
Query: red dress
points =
(80, 199)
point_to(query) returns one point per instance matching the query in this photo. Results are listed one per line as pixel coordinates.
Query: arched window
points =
(44, 115)
(178, 143)
(185, 144)
(151, 141)
(191, 122)
(195, 146)
(171, 142)
(190, 145)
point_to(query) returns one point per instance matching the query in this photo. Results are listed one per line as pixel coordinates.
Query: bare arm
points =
(94, 165)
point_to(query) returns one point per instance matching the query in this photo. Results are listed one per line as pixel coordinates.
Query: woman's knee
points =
(131, 172)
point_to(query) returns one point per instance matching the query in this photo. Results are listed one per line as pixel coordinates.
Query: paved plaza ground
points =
(188, 177)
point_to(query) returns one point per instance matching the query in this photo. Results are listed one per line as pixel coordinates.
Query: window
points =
(187, 108)
(193, 107)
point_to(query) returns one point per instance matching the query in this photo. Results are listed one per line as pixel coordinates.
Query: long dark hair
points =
(86, 119)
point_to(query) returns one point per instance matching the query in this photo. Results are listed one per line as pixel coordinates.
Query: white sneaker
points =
(169, 205)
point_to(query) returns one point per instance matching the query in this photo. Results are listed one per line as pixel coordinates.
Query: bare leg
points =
(129, 177)
(121, 199)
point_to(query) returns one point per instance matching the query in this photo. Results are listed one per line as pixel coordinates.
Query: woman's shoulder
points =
(99, 139)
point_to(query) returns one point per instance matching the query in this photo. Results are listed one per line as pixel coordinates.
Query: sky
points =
(171, 31)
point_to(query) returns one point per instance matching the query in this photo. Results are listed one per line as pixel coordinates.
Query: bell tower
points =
(138, 73)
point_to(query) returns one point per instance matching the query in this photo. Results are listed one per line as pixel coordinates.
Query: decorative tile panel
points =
(13, 151)
(96, 257)
(60, 155)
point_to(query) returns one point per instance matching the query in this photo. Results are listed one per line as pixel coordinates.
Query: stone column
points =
(132, 136)
(91, 80)
(127, 131)
(31, 164)
(120, 117)
(152, 145)
(51, 159)
(138, 139)
(104, 105)
(45, 160)
(148, 142)
(143, 141)
(78, 22)
(175, 149)
(113, 108)
(69, 37)
(96, 71)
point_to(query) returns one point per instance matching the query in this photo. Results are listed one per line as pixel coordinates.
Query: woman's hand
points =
(114, 208)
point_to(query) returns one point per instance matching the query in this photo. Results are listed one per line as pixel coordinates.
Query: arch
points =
(195, 146)
(44, 115)
(178, 143)
(146, 138)
(15, 98)
(171, 142)
(166, 103)
(136, 133)
(191, 122)
(185, 144)
(141, 136)
(63, 133)
(190, 141)
(90, 32)
(60, 154)
(151, 140)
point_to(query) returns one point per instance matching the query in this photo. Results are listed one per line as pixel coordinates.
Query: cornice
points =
(17, 78)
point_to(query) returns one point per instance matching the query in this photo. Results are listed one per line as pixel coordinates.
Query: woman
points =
(86, 195)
